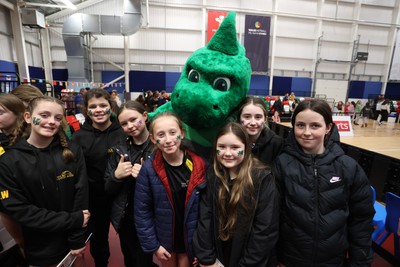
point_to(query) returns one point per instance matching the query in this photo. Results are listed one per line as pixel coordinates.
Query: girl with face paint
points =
(44, 186)
(97, 136)
(167, 195)
(265, 144)
(122, 170)
(238, 224)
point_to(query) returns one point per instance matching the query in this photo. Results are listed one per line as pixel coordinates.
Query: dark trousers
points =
(130, 246)
(99, 225)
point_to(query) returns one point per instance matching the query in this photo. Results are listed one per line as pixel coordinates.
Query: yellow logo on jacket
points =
(3, 194)
(2, 151)
(64, 175)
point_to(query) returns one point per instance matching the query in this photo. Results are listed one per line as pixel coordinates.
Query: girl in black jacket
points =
(97, 136)
(327, 209)
(120, 180)
(44, 186)
(238, 223)
(265, 144)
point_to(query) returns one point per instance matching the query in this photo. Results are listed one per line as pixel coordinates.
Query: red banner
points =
(215, 19)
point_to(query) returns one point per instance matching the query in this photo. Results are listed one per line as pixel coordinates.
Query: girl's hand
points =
(162, 254)
(86, 217)
(124, 169)
(136, 168)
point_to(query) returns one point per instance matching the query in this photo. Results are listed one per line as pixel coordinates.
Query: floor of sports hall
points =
(384, 139)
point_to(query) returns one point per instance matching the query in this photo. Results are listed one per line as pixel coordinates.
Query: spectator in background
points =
(153, 103)
(140, 99)
(366, 113)
(115, 97)
(78, 99)
(148, 98)
(292, 97)
(385, 109)
(278, 106)
(162, 99)
(294, 105)
(339, 107)
(286, 97)
(357, 112)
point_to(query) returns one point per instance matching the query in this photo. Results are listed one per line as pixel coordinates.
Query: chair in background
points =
(393, 219)
(378, 220)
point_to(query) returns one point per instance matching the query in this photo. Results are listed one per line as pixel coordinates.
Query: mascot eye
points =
(222, 84)
(194, 76)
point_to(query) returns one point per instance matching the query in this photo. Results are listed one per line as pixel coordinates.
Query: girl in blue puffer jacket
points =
(167, 194)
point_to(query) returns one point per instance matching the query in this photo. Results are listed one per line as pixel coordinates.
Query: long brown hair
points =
(16, 106)
(229, 200)
(68, 155)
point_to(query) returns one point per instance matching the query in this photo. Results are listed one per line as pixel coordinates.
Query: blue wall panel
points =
(259, 85)
(281, 85)
(141, 81)
(108, 76)
(393, 91)
(301, 86)
(356, 89)
(6, 66)
(372, 88)
(171, 78)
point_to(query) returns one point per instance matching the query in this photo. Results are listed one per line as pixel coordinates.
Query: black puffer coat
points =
(327, 207)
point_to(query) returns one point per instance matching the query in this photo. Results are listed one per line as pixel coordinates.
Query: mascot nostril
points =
(212, 85)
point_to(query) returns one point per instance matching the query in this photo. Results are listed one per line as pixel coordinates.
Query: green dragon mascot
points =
(212, 85)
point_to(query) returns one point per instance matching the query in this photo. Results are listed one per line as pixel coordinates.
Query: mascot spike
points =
(224, 39)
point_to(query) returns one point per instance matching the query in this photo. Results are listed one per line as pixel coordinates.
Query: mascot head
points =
(215, 80)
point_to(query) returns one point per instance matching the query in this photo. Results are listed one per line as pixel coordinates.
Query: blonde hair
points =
(68, 155)
(26, 92)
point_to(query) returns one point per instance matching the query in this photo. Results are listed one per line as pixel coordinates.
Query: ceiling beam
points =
(67, 12)
(7, 4)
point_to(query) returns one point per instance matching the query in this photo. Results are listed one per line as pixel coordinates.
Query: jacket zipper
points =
(316, 215)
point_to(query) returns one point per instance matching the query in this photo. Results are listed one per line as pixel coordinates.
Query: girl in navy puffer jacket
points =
(167, 195)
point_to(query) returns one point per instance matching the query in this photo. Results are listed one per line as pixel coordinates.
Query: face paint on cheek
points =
(240, 153)
(158, 141)
(90, 112)
(242, 122)
(218, 151)
(178, 137)
(139, 123)
(108, 111)
(36, 121)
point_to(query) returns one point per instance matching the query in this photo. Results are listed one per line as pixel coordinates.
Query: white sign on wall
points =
(344, 125)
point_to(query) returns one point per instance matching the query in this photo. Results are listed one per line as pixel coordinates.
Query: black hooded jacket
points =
(121, 190)
(268, 146)
(46, 196)
(97, 146)
(327, 208)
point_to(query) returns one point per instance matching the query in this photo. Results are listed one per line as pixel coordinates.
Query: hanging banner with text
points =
(256, 41)
(215, 19)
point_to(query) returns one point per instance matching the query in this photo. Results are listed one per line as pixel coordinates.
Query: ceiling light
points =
(68, 3)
